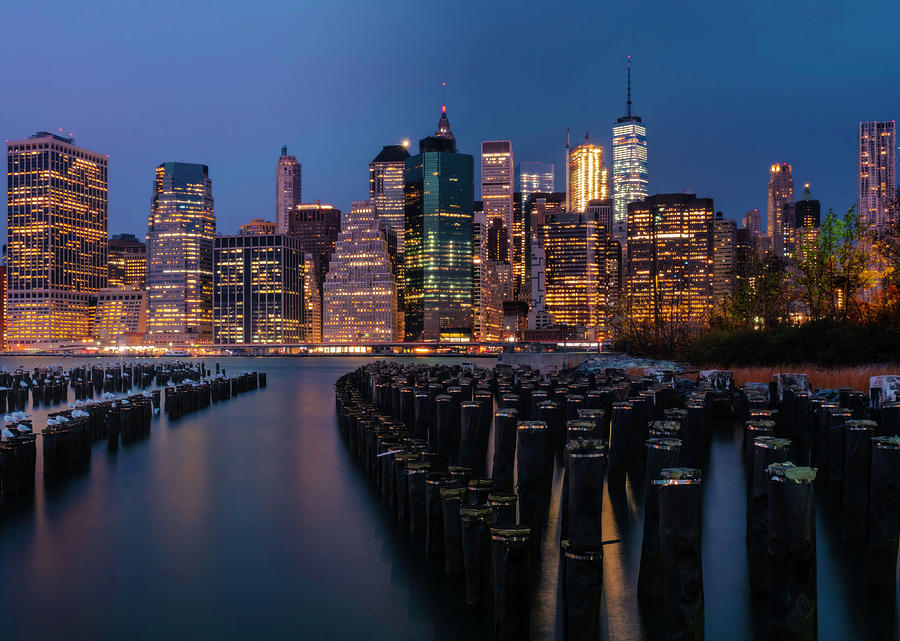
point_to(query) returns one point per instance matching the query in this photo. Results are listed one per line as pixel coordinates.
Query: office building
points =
(781, 193)
(182, 228)
(288, 189)
(497, 188)
(588, 176)
(56, 230)
(439, 187)
(535, 177)
(724, 239)
(359, 299)
(629, 172)
(120, 316)
(258, 227)
(752, 222)
(807, 211)
(386, 187)
(877, 173)
(488, 283)
(540, 207)
(317, 227)
(127, 260)
(258, 293)
(670, 256)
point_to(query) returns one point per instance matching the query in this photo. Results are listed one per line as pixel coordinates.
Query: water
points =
(251, 519)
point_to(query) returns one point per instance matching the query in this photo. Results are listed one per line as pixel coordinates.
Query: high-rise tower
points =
(588, 176)
(288, 189)
(497, 184)
(781, 193)
(56, 231)
(386, 187)
(877, 173)
(535, 178)
(180, 237)
(629, 149)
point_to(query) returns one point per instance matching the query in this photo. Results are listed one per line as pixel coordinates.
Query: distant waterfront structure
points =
(386, 187)
(629, 172)
(56, 229)
(258, 292)
(724, 238)
(258, 227)
(439, 187)
(877, 173)
(670, 256)
(497, 188)
(535, 177)
(752, 222)
(588, 176)
(127, 260)
(120, 315)
(180, 236)
(359, 299)
(781, 193)
(288, 189)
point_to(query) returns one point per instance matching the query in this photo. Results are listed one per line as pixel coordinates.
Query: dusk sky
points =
(725, 88)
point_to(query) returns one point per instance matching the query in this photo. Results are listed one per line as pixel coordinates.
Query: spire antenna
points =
(444, 97)
(629, 85)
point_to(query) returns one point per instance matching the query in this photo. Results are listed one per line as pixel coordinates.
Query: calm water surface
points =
(251, 520)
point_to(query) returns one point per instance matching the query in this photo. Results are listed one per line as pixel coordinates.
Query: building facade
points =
(258, 227)
(386, 187)
(752, 222)
(182, 228)
(56, 230)
(316, 226)
(288, 189)
(877, 173)
(497, 188)
(258, 293)
(127, 262)
(487, 284)
(588, 176)
(359, 299)
(120, 315)
(535, 177)
(670, 256)
(439, 188)
(724, 239)
(781, 193)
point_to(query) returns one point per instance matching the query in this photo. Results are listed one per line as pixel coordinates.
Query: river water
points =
(250, 520)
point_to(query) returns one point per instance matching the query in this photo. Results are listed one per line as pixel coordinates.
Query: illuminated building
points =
(127, 262)
(670, 257)
(359, 299)
(497, 188)
(521, 231)
(807, 212)
(781, 193)
(724, 239)
(588, 177)
(576, 279)
(56, 230)
(288, 189)
(3, 305)
(540, 207)
(120, 315)
(488, 284)
(629, 172)
(877, 173)
(386, 187)
(497, 243)
(439, 187)
(317, 227)
(752, 222)
(538, 316)
(603, 212)
(258, 227)
(258, 293)
(535, 177)
(311, 327)
(180, 237)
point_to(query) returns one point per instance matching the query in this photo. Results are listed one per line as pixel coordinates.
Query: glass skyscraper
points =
(439, 190)
(180, 236)
(535, 178)
(629, 151)
(877, 173)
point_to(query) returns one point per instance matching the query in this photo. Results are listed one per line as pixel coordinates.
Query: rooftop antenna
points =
(629, 85)
(444, 97)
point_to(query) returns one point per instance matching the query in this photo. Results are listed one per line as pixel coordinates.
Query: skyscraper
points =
(588, 176)
(629, 149)
(487, 283)
(724, 257)
(807, 212)
(670, 256)
(288, 189)
(56, 231)
(386, 187)
(752, 222)
(258, 293)
(497, 188)
(359, 300)
(127, 262)
(535, 177)
(877, 173)
(781, 193)
(439, 187)
(180, 236)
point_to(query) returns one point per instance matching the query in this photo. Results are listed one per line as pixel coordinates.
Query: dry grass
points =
(819, 376)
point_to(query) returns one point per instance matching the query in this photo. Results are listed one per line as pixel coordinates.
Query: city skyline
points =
(820, 85)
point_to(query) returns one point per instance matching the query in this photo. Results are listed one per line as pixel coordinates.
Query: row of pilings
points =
(464, 457)
(117, 419)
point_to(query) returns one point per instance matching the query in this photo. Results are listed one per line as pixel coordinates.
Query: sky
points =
(725, 88)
